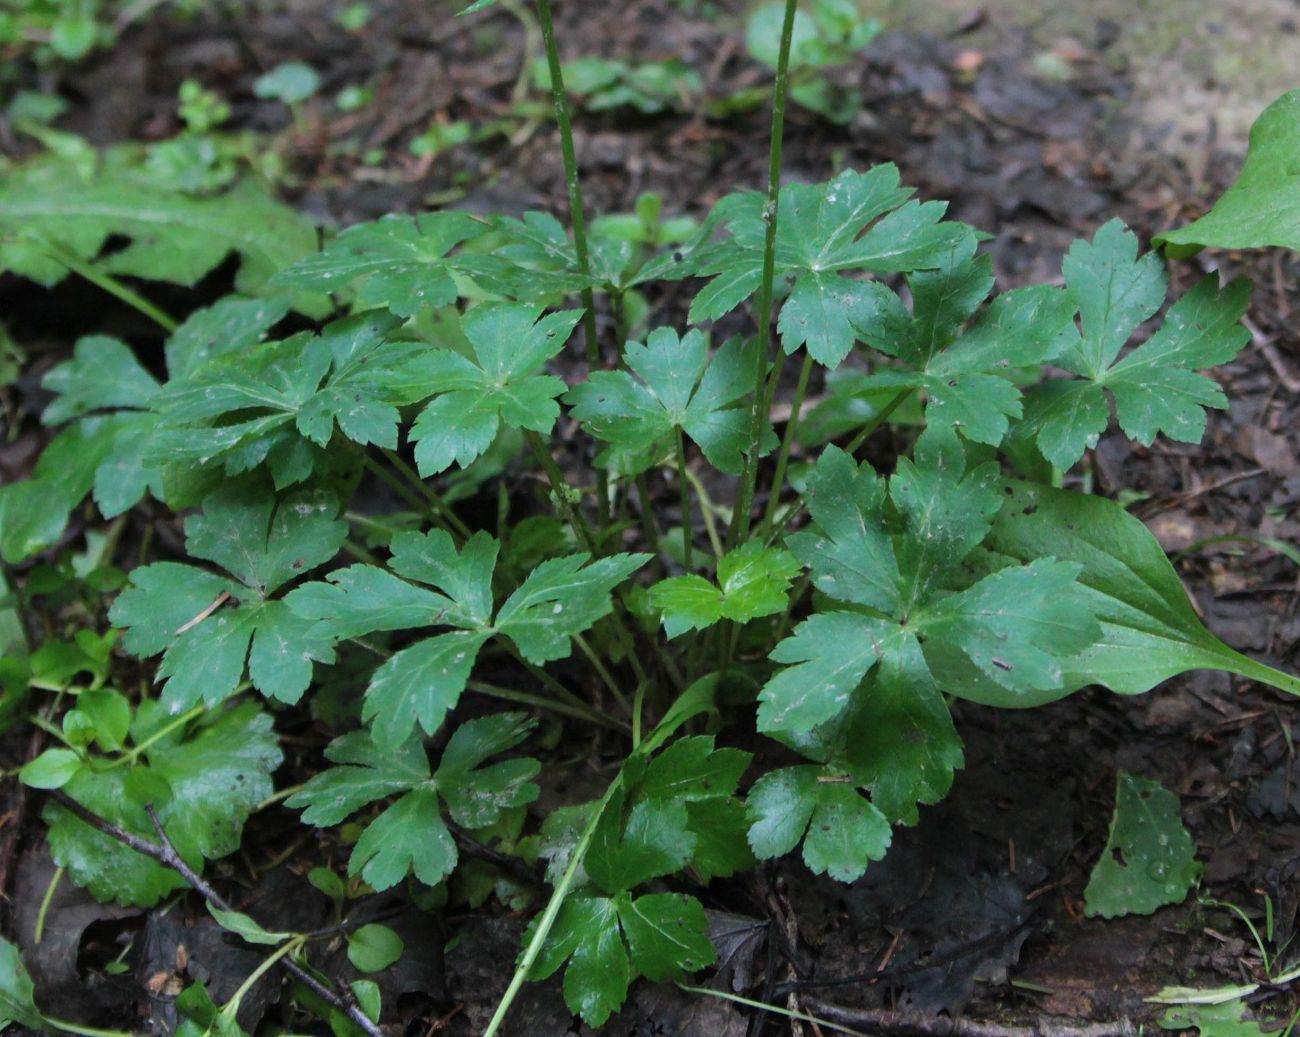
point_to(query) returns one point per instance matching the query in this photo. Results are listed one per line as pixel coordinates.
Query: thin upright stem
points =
(546, 919)
(878, 419)
(426, 491)
(112, 285)
(749, 475)
(648, 524)
(787, 443)
(561, 490)
(577, 216)
(684, 486)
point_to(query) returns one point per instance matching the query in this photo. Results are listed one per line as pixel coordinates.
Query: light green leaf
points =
(245, 927)
(1263, 207)
(420, 684)
(667, 935)
(753, 581)
(103, 374)
(857, 221)
(680, 387)
(827, 656)
(844, 831)
(1155, 387)
(411, 834)
(204, 623)
(173, 236)
(203, 786)
(654, 840)
(53, 769)
(1149, 631)
(372, 948)
(408, 837)
(1149, 859)
(17, 992)
(500, 386)
(560, 598)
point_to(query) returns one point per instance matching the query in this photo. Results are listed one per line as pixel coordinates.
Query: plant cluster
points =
(342, 437)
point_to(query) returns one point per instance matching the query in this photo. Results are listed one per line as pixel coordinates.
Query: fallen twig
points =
(909, 1024)
(164, 852)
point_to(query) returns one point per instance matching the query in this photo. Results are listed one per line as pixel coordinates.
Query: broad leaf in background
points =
(844, 831)
(858, 221)
(1149, 860)
(1149, 631)
(1155, 387)
(680, 388)
(17, 992)
(411, 835)
(419, 684)
(1262, 208)
(397, 261)
(753, 581)
(173, 236)
(203, 785)
(205, 622)
(499, 387)
(610, 940)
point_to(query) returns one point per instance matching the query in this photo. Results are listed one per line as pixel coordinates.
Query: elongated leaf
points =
(1149, 630)
(1263, 207)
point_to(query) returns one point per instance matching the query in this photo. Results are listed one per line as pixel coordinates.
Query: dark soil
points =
(977, 912)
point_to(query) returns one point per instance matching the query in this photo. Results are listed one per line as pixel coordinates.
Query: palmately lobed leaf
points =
(173, 236)
(1155, 386)
(855, 222)
(399, 262)
(680, 386)
(205, 623)
(499, 388)
(410, 836)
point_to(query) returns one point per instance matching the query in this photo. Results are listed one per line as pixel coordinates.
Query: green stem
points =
(131, 755)
(648, 524)
(46, 901)
(523, 698)
(560, 490)
(85, 1031)
(749, 476)
(288, 947)
(426, 491)
(787, 443)
(876, 421)
(577, 216)
(709, 510)
(684, 486)
(774, 1009)
(602, 673)
(547, 918)
(111, 285)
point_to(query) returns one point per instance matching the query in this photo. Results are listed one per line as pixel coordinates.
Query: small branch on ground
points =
(164, 852)
(909, 1024)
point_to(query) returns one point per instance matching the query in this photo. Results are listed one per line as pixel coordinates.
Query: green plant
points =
(829, 36)
(838, 613)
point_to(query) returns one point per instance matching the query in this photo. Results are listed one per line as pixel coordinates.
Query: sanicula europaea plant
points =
(837, 614)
